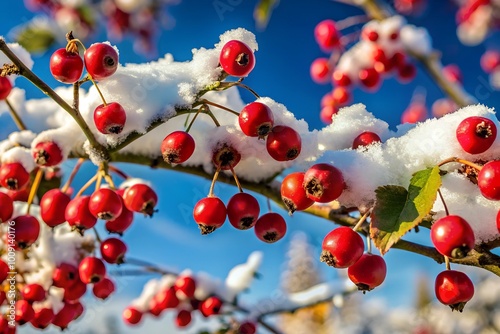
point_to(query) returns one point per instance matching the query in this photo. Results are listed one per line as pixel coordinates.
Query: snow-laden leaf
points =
(398, 210)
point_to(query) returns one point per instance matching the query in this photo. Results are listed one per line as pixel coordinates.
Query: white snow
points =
(20, 155)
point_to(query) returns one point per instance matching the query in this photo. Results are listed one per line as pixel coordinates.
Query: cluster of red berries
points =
(475, 19)
(179, 296)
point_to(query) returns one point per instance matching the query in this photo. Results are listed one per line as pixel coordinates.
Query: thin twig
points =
(71, 177)
(15, 116)
(34, 189)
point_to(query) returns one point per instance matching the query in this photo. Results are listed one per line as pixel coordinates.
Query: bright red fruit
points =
(209, 213)
(498, 222)
(77, 213)
(293, 194)
(183, 318)
(368, 272)
(140, 198)
(166, 299)
(7, 207)
(283, 143)
(256, 120)
(177, 147)
(65, 316)
(91, 270)
(65, 66)
(14, 176)
(243, 211)
(132, 316)
(75, 292)
(341, 95)
(247, 327)
(320, 71)
(407, 72)
(43, 318)
(364, 139)
(101, 60)
(121, 223)
(452, 236)
(476, 134)
(237, 59)
(113, 250)
(5, 87)
(326, 35)
(33, 293)
(27, 231)
(53, 206)
(24, 312)
(453, 288)
(104, 288)
(488, 180)
(490, 60)
(323, 183)
(226, 157)
(369, 78)
(4, 271)
(105, 204)
(65, 275)
(210, 306)
(270, 227)
(452, 73)
(416, 112)
(110, 118)
(342, 247)
(47, 154)
(186, 285)
(341, 79)
(327, 113)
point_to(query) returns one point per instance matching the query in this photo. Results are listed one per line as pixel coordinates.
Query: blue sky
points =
(286, 49)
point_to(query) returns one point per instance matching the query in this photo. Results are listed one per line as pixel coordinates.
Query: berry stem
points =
(86, 185)
(15, 116)
(194, 118)
(236, 179)
(351, 21)
(444, 203)
(34, 188)
(447, 262)
(76, 95)
(212, 186)
(98, 89)
(238, 83)
(462, 161)
(368, 244)
(362, 220)
(118, 172)
(75, 170)
(220, 106)
(97, 237)
(209, 113)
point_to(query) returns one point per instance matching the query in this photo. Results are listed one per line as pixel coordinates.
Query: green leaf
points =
(398, 210)
(35, 40)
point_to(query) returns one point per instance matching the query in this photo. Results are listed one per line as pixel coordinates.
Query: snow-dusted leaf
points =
(398, 210)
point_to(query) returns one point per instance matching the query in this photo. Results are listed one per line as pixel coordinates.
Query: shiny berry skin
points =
(369, 34)
(368, 272)
(177, 147)
(341, 95)
(121, 223)
(113, 250)
(369, 78)
(364, 139)
(416, 112)
(104, 288)
(342, 247)
(33, 293)
(65, 275)
(140, 198)
(4, 271)
(452, 236)
(78, 215)
(5, 87)
(270, 227)
(65, 316)
(454, 288)
(209, 213)
(323, 183)
(283, 143)
(225, 157)
(42, 318)
(210, 306)
(53, 206)
(183, 318)
(65, 66)
(320, 71)
(14, 176)
(256, 120)
(101, 60)
(75, 292)
(490, 60)
(167, 299)
(341, 79)
(488, 180)
(24, 312)
(326, 35)
(110, 118)
(293, 194)
(19, 195)
(247, 327)
(27, 231)
(237, 59)
(105, 204)
(47, 154)
(91, 270)
(327, 113)
(132, 316)
(243, 211)
(186, 285)
(7, 207)
(476, 134)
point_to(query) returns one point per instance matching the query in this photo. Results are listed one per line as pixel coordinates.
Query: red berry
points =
(4, 271)
(488, 180)
(256, 120)
(121, 223)
(20, 195)
(247, 327)
(110, 118)
(452, 73)
(7, 207)
(342, 247)
(320, 71)
(65, 316)
(369, 34)
(340, 78)
(490, 60)
(364, 139)
(498, 224)
(24, 312)
(452, 236)
(407, 72)
(177, 147)
(140, 198)
(453, 288)
(326, 35)
(368, 272)
(416, 112)
(293, 193)
(167, 299)
(369, 78)
(476, 134)
(283, 143)
(65, 66)
(341, 95)
(77, 308)
(327, 113)
(27, 231)
(75, 292)
(210, 306)
(270, 227)
(53, 206)
(65, 275)
(47, 154)
(132, 316)
(237, 59)
(14, 176)
(226, 157)
(5, 87)
(105, 204)
(33, 293)
(77, 213)
(104, 288)
(91, 270)
(43, 318)
(323, 183)
(113, 250)
(186, 285)
(243, 211)
(101, 60)
(209, 213)
(183, 318)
